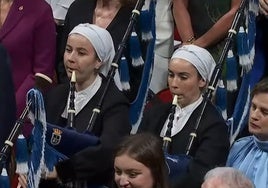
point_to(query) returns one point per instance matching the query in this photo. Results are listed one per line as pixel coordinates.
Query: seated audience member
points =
(189, 71)
(139, 162)
(226, 177)
(249, 154)
(89, 47)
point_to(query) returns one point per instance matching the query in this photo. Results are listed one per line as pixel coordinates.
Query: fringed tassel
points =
(251, 23)
(243, 50)
(22, 155)
(251, 35)
(52, 157)
(231, 72)
(37, 164)
(220, 99)
(146, 22)
(135, 50)
(4, 179)
(124, 74)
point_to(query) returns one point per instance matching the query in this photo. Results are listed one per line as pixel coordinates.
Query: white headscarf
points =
(102, 42)
(199, 57)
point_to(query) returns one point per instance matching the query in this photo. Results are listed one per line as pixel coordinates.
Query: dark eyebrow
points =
(81, 49)
(133, 170)
(178, 73)
(261, 108)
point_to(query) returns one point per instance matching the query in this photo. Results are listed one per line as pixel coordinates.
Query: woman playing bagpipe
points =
(189, 72)
(88, 49)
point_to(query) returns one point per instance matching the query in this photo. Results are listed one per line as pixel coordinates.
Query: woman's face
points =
(130, 173)
(258, 116)
(80, 56)
(184, 81)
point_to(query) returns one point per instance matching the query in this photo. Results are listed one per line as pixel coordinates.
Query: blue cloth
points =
(250, 156)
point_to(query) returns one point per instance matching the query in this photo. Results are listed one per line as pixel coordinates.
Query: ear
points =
(202, 83)
(98, 64)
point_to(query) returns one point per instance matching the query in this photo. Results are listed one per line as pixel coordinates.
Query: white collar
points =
(181, 117)
(83, 97)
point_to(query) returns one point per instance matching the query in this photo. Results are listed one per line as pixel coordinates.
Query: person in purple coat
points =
(27, 31)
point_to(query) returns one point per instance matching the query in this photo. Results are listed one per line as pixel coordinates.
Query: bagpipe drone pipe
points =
(178, 164)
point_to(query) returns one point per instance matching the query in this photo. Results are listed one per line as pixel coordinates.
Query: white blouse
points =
(181, 116)
(82, 97)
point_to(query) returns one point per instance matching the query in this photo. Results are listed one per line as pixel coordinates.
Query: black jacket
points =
(210, 148)
(93, 164)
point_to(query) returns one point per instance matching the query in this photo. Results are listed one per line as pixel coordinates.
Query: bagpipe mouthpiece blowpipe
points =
(71, 109)
(217, 71)
(167, 138)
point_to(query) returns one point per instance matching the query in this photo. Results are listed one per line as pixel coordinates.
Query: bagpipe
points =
(178, 164)
(50, 143)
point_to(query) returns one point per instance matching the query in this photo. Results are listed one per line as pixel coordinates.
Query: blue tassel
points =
(243, 50)
(145, 25)
(231, 72)
(124, 74)
(221, 99)
(22, 155)
(135, 50)
(4, 179)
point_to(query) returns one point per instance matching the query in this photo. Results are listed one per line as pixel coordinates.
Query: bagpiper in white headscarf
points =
(102, 42)
(199, 57)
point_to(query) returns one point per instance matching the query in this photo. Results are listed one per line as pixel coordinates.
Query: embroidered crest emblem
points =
(56, 137)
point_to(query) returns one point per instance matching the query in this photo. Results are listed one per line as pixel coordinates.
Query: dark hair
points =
(147, 149)
(260, 87)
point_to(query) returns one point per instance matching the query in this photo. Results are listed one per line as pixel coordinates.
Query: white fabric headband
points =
(101, 40)
(199, 57)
